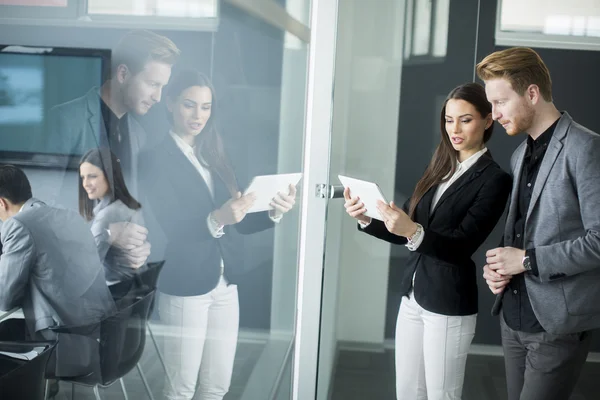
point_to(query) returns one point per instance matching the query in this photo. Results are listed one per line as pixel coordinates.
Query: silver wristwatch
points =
(415, 237)
(527, 263)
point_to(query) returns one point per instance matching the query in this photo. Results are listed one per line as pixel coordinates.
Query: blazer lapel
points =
(95, 123)
(467, 177)
(554, 148)
(424, 207)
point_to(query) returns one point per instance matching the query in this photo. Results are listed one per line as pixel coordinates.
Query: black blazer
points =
(467, 212)
(180, 200)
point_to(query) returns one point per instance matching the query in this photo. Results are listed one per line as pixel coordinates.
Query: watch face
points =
(527, 264)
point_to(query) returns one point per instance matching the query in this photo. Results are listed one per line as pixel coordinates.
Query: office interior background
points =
(322, 87)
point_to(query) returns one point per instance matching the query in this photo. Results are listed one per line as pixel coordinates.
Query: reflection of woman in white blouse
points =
(192, 191)
(103, 200)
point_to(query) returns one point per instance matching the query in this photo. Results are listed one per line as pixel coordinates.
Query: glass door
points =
(395, 62)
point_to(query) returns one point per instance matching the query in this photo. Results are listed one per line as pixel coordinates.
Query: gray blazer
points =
(106, 213)
(563, 225)
(50, 268)
(78, 126)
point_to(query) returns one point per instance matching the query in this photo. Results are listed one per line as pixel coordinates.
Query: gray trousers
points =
(542, 366)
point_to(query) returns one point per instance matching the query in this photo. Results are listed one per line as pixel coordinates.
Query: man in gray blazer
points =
(50, 268)
(546, 275)
(140, 68)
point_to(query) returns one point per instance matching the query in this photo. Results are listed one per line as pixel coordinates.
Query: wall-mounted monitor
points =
(32, 81)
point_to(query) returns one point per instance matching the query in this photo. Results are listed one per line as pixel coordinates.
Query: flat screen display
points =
(32, 81)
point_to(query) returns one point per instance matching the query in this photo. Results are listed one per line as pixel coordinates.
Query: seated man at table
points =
(50, 268)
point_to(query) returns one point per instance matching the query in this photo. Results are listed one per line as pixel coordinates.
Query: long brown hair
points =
(209, 143)
(110, 166)
(443, 162)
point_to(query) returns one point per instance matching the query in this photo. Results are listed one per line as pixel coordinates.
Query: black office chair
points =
(143, 282)
(122, 341)
(21, 378)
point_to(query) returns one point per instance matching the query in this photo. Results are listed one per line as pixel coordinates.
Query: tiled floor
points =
(359, 375)
(367, 375)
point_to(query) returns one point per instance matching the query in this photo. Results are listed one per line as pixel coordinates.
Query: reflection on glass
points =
(555, 17)
(157, 8)
(422, 27)
(27, 93)
(440, 28)
(51, 3)
(21, 90)
(104, 200)
(86, 97)
(426, 29)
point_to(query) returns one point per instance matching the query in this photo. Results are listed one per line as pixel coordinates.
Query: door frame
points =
(317, 142)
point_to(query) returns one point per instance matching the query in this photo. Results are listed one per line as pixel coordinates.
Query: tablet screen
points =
(368, 192)
(266, 187)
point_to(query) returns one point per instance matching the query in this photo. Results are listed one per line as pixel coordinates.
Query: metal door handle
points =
(324, 191)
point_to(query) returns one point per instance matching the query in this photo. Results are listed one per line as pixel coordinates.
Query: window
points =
(198, 15)
(426, 36)
(44, 3)
(49, 9)
(573, 24)
(154, 8)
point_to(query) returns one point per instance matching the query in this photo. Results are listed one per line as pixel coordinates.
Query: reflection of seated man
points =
(50, 268)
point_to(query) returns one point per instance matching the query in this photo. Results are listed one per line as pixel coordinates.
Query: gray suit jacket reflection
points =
(50, 268)
(77, 126)
(563, 225)
(106, 213)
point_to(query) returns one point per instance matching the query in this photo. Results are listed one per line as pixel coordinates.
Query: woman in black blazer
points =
(453, 209)
(191, 189)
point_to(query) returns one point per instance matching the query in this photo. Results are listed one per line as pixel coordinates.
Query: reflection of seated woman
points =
(104, 200)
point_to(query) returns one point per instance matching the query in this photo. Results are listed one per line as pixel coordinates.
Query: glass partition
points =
(153, 136)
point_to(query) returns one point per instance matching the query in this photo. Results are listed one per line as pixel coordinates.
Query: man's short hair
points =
(139, 47)
(14, 184)
(521, 67)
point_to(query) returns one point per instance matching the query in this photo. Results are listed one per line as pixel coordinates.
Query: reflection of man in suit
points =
(140, 68)
(50, 268)
(547, 274)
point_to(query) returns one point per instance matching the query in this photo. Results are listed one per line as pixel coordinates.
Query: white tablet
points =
(266, 187)
(368, 192)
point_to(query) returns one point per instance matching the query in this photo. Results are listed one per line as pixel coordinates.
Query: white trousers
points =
(200, 342)
(431, 352)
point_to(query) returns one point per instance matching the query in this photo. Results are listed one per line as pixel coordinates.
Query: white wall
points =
(365, 122)
(371, 132)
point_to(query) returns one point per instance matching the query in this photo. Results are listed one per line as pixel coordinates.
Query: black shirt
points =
(516, 305)
(117, 136)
